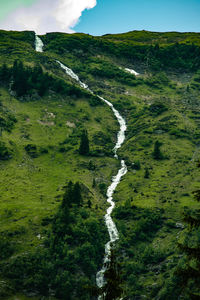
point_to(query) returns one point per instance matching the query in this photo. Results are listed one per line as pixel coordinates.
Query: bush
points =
(6, 248)
(102, 188)
(31, 150)
(179, 133)
(136, 165)
(157, 108)
(95, 101)
(5, 153)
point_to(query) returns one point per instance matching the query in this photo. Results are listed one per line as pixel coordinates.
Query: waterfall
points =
(112, 229)
(38, 44)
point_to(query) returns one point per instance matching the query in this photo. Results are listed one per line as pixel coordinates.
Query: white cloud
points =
(47, 16)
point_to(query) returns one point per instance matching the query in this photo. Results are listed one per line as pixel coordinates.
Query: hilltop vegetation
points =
(53, 132)
(155, 51)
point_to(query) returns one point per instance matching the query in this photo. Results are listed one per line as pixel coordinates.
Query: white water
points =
(132, 71)
(122, 123)
(38, 44)
(112, 229)
(73, 75)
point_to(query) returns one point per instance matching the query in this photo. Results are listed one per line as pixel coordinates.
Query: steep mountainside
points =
(52, 230)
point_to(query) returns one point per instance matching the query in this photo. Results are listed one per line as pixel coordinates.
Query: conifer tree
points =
(67, 197)
(5, 74)
(20, 79)
(72, 195)
(77, 198)
(189, 243)
(146, 174)
(112, 290)
(156, 152)
(84, 143)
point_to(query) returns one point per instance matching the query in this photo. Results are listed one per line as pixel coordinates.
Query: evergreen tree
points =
(5, 74)
(112, 290)
(77, 198)
(93, 183)
(20, 79)
(72, 195)
(68, 195)
(146, 174)
(156, 152)
(189, 243)
(84, 143)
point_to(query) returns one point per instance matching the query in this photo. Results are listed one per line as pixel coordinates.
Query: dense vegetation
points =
(54, 133)
(33, 82)
(67, 259)
(156, 52)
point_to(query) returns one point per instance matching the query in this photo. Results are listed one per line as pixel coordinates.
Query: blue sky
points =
(99, 17)
(114, 16)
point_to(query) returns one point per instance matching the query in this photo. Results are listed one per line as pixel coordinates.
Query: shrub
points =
(157, 108)
(5, 153)
(84, 144)
(102, 188)
(136, 165)
(156, 152)
(31, 150)
(6, 248)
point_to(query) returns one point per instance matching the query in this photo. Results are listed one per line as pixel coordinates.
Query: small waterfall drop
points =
(132, 71)
(38, 44)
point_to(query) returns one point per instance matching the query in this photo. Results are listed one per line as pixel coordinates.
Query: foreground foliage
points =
(64, 264)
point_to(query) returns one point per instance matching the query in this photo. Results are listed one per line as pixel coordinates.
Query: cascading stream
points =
(112, 230)
(38, 44)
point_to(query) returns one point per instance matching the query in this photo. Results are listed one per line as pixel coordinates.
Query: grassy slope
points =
(31, 188)
(169, 186)
(33, 182)
(170, 181)
(147, 37)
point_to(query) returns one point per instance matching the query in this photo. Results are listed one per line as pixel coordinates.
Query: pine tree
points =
(156, 152)
(93, 183)
(146, 174)
(67, 197)
(72, 195)
(189, 244)
(84, 144)
(20, 79)
(77, 198)
(5, 74)
(112, 290)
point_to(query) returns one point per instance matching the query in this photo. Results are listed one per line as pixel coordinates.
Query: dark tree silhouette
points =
(72, 195)
(84, 144)
(146, 174)
(5, 74)
(20, 79)
(77, 198)
(112, 290)
(189, 243)
(156, 152)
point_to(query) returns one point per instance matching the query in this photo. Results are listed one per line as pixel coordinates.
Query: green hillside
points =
(52, 231)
